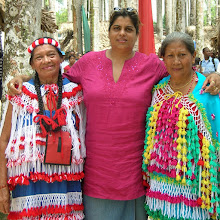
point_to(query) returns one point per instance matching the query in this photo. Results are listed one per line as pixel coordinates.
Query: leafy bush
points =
(61, 16)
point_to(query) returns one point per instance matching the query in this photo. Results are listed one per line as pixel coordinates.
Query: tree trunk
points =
(208, 12)
(183, 26)
(111, 5)
(77, 24)
(117, 3)
(69, 11)
(102, 11)
(124, 4)
(193, 12)
(181, 16)
(74, 26)
(96, 24)
(159, 19)
(22, 26)
(187, 12)
(173, 15)
(218, 8)
(178, 15)
(52, 5)
(199, 28)
(107, 11)
(168, 16)
(92, 24)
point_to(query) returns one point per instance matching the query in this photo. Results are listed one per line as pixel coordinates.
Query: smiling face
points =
(123, 34)
(46, 62)
(178, 59)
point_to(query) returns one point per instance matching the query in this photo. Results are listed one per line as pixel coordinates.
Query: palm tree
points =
(159, 19)
(168, 16)
(199, 28)
(193, 12)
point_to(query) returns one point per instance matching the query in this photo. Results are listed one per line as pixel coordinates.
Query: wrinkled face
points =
(46, 61)
(178, 59)
(123, 34)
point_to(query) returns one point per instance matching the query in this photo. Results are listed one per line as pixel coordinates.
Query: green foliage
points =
(60, 1)
(61, 16)
(213, 15)
(46, 2)
(213, 12)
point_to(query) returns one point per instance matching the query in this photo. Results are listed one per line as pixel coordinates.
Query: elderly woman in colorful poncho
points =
(180, 160)
(42, 143)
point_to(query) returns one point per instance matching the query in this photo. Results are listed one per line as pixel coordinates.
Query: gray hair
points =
(178, 36)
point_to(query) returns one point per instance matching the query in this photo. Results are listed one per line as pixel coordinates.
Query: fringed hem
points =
(50, 212)
(24, 180)
(162, 210)
(158, 215)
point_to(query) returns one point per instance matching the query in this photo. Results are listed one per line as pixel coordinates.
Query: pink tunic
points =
(115, 127)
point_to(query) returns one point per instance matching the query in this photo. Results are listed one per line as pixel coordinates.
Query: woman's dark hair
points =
(72, 56)
(125, 12)
(178, 36)
(59, 51)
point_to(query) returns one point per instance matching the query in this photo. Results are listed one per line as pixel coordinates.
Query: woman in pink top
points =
(72, 60)
(117, 86)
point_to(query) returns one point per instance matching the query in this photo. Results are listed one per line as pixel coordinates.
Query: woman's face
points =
(72, 60)
(123, 34)
(46, 61)
(178, 59)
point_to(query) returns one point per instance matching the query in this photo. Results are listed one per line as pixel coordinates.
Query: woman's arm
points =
(4, 138)
(15, 84)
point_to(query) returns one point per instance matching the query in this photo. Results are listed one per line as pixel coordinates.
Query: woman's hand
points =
(4, 199)
(214, 84)
(15, 85)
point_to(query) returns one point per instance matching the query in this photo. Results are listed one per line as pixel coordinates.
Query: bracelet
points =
(4, 186)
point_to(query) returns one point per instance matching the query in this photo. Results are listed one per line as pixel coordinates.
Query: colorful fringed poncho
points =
(39, 190)
(181, 159)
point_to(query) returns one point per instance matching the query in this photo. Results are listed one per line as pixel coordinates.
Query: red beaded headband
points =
(42, 41)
